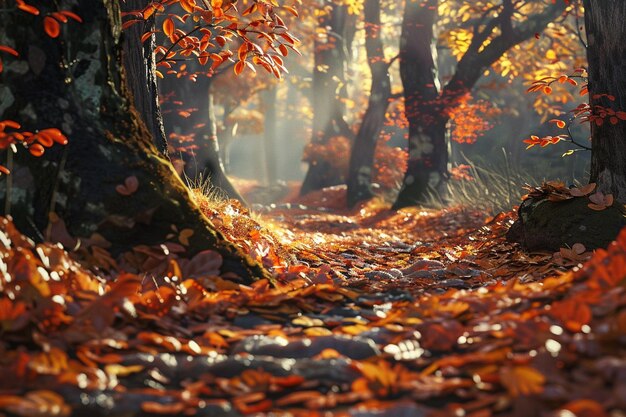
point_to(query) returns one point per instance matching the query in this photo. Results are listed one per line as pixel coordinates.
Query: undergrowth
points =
(491, 186)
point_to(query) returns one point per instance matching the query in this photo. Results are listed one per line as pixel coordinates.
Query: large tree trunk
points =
(329, 76)
(362, 154)
(140, 66)
(110, 179)
(205, 162)
(606, 53)
(428, 152)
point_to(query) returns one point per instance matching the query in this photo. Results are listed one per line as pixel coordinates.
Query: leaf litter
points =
(373, 313)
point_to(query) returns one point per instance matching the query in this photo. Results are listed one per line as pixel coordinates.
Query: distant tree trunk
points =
(269, 133)
(110, 179)
(362, 154)
(329, 76)
(427, 110)
(606, 54)
(206, 161)
(428, 153)
(139, 64)
(226, 137)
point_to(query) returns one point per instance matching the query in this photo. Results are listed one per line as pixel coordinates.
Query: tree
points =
(362, 155)
(204, 161)
(428, 108)
(329, 85)
(606, 54)
(140, 67)
(555, 216)
(109, 184)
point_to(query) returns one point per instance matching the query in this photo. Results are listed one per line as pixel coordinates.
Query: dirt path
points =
(415, 313)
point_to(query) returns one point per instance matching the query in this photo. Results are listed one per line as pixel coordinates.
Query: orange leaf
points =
(72, 15)
(6, 49)
(51, 26)
(559, 123)
(168, 27)
(239, 66)
(522, 380)
(36, 149)
(27, 7)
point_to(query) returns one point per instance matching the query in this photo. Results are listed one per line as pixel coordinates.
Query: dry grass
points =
(495, 187)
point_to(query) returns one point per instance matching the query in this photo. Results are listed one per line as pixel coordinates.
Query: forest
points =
(294, 208)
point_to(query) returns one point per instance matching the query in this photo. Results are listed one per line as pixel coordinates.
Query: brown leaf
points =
(522, 380)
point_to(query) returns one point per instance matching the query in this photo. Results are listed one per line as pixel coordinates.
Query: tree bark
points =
(606, 54)
(110, 179)
(140, 66)
(428, 153)
(329, 76)
(205, 162)
(362, 154)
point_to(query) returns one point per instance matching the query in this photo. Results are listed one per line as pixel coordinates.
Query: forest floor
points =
(373, 313)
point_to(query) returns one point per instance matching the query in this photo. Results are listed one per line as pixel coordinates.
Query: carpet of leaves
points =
(374, 313)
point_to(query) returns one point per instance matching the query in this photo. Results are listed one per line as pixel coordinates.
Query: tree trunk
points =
(329, 76)
(268, 98)
(362, 154)
(606, 54)
(110, 179)
(428, 152)
(139, 64)
(205, 162)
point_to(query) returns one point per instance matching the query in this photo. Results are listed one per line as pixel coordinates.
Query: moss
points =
(547, 225)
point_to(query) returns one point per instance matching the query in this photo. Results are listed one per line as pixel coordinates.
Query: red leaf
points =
(51, 26)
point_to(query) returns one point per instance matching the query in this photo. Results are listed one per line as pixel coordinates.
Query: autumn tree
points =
(429, 106)
(331, 55)
(555, 216)
(109, 185)
(359, 179)
(606, 54)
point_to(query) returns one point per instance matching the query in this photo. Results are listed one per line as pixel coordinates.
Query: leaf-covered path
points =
(373, 313)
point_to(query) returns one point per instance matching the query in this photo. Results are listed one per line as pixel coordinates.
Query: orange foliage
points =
(34, 142)
(470, 119)
(204, 32)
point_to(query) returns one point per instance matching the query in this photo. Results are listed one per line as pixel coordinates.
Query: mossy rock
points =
(549, 225)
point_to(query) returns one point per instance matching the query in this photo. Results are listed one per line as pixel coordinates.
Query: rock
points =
(547, 225)
(422, 265)
(430, 274)
(402, 409)
(454, 283)
(379, 275)
(278, 347)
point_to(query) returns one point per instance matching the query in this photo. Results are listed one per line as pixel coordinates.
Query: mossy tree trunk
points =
(110, 179)
(362, 154)
(139, 64)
